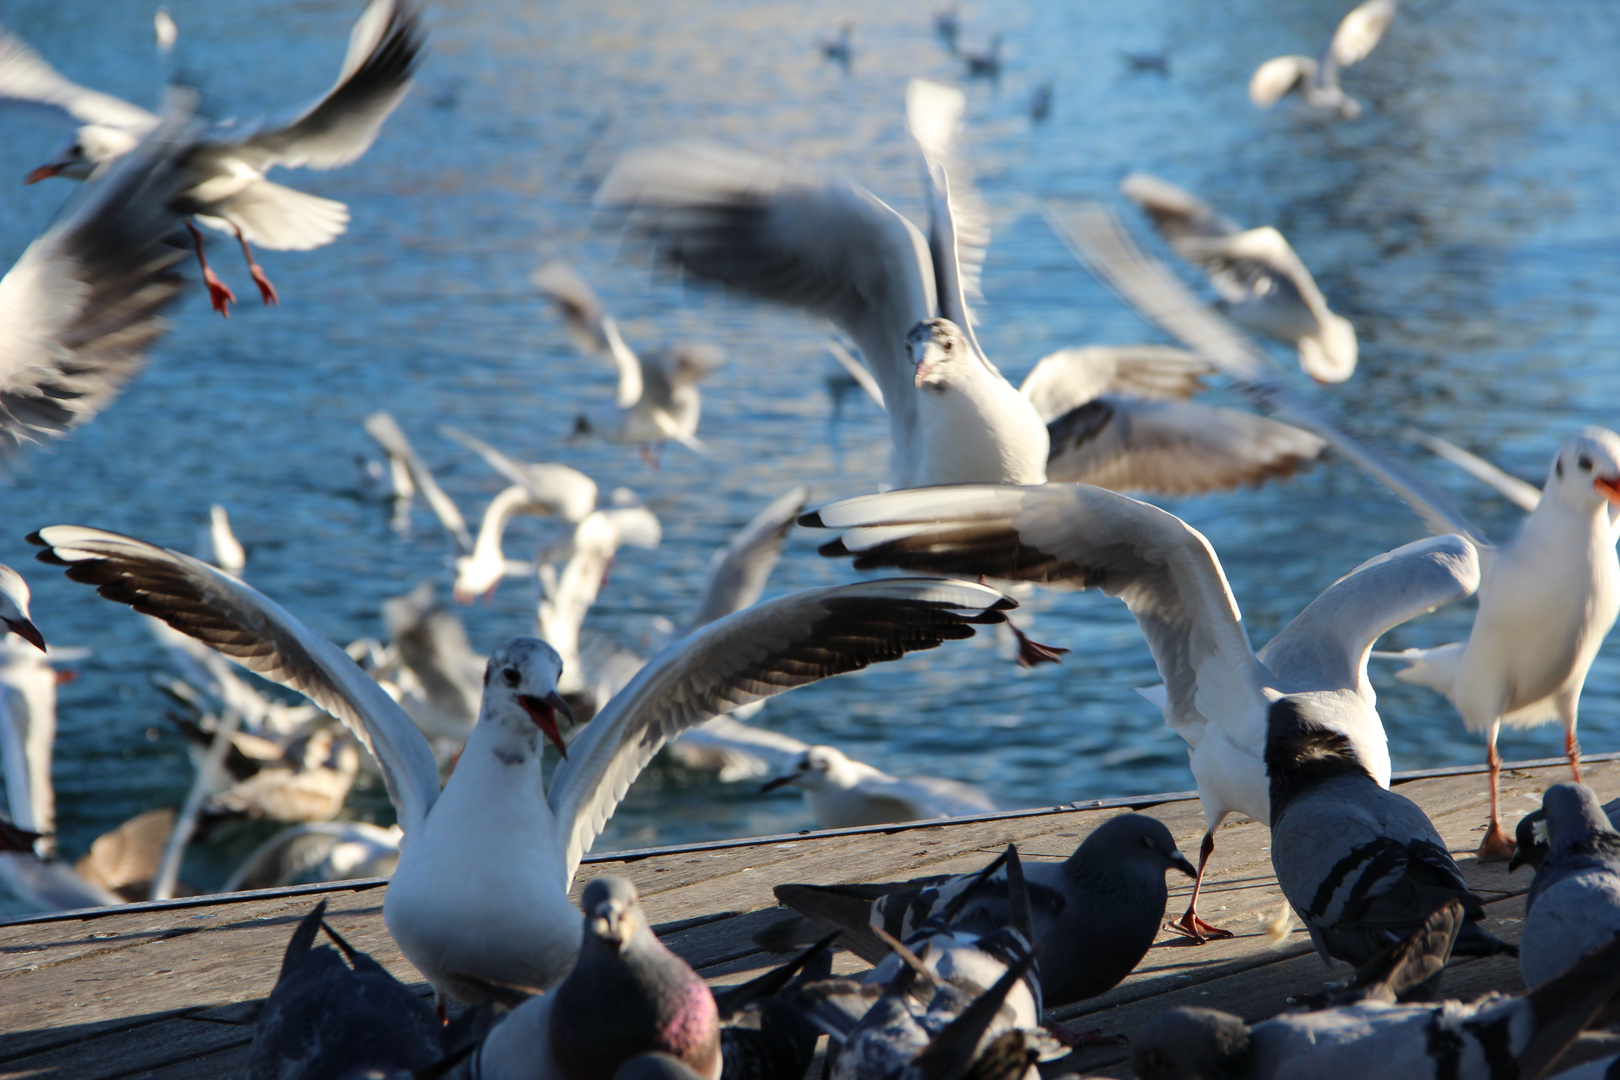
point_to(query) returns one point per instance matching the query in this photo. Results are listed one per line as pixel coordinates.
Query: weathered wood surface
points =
(170, 990)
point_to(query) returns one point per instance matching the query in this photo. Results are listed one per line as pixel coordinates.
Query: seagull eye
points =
(512, 676)
(948, 344)
(1585, 463)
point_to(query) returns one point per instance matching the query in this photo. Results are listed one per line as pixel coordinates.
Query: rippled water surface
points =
(1466, 225)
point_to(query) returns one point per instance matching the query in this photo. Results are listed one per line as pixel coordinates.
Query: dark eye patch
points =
(512, 676)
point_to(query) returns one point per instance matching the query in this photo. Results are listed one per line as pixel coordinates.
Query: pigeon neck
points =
(1301, 755)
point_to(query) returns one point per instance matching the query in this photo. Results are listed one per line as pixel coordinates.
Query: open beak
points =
(1182, 863)
(1608, 487)
(44, 172)
(24, 628)
(780, 781)
(543, 711)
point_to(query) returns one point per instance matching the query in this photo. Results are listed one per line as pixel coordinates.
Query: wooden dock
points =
(169, 990)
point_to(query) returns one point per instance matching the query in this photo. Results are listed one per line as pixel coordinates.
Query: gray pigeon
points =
(1093, 915)
(1574, 904)
(1362, 866)
(326, 1018)
(628, 995)
(1488, 1039)
(1531, 836)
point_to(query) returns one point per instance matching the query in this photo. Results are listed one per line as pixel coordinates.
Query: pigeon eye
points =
(1147, 841)
(1585, 463)
(512, 676)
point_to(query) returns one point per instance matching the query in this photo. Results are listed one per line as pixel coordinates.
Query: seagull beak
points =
(543, 711)
(24, 628)
(44, 172)
(1608, 487)
(780, 781)
(924, 369)
(1182, 863)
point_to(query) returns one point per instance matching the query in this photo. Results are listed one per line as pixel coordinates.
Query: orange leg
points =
(1572, 750)
(1032, 652)
(266, 290)
(1497, 845)
(1190, 924)
(219, 294)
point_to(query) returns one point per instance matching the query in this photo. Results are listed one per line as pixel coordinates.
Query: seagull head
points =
(1191, 1044)
(938, 351)
(815, 767)
(520, 686)
(91, 147)
(1586, 471)
(612, 912)
(14, 608)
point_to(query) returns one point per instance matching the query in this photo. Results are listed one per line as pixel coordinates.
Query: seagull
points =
(789, 234)
(843, 793)
(1094, 915)
(318, 851)
(1361, 865)
(225, 186)
(658, 399)
(85, 301)
(1217, 691)
(948, 25)
(1560, 573)
(1262, 281)
(1318, 80)
(1119, 417)
(217, 545)
(479, 902)
(627, 995)
(841, 49)
(983, 65)
(404, 460)
(1573, 909)
(431, 643)
(14, 598)
(543, 489)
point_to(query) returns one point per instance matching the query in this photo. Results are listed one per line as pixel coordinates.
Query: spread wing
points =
(739, 570)
(259, 634)
(567, 492)
(1070, 378)
(382, 427)
(1359, 33)
(750, 656)
(26, 79)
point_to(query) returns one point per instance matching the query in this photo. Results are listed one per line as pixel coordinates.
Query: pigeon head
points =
(1574, 817)
(612, 912)
(520, 689)
(1191, 1044)
(14, 597)
(1301, 753)
(1530, 841)
(938, 350)
(1132, 838)
(91, 147)
(816, 767)
(1586, 472)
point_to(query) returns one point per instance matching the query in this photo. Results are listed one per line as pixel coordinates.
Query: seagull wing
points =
(1326, 645)
(382, 427)
(739, 570)
(384, 47)
(1069, 378)
(569, 493)
(259, 634)
(80, 309)
(1274, 78)
(750, 656)
(581, 307)
(26, 79)
(788, 234)
(1081, 537)
(633, 382)
(1097, 239)
(856, 370)
(1359, 32)
(1172, 447)
(1175, 212)
(1525, 496)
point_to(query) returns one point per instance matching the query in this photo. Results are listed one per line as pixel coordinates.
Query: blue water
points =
(1466, 225)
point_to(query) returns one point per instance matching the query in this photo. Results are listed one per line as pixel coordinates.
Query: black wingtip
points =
(832, 549)
(812, 520)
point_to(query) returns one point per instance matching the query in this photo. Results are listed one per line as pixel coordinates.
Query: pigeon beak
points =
(44, 172)
(1608, 487)
(1517, 860)
(1182, 863)
(780, 781)
(25, 629)
(543, 711)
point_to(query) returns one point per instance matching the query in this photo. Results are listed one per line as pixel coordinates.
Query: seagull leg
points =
(266, 290)
(219, 294)
(1032, 652)
(1573, 750)
(1497, 845)
(1190, 924)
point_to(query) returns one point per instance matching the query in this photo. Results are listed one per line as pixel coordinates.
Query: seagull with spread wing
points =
(1317, 80)
(479, 902)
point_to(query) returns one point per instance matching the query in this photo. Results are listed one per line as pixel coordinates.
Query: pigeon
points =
(843, 793)
(1361, 865)
(1531, 836)
(1093, 916)
(329, 1018)
(1493, 1037)
(479, 902)
(786, 233)
(764, 1035)
(1574, 904)
(626, 995)
(1263, 283)
(1318, 80)
(225, 186)
(1217, 690)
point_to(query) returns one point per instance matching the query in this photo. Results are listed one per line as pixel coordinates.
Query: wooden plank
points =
(135, 1052)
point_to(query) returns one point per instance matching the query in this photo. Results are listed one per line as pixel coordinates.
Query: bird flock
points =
(503, 769)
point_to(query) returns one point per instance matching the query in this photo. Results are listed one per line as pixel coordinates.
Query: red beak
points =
(1608, 487)
(543, 711)
(26, 630)
(44, 172)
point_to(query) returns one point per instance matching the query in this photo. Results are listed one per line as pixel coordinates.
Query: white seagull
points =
(1257, 273)
(826, 245)
(1318, 80)
(479, 902)
(657, 399)
(14, 598)
(217, 545)
(843, 793)
(1217, 691)
(226, 165)
(403, 460)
